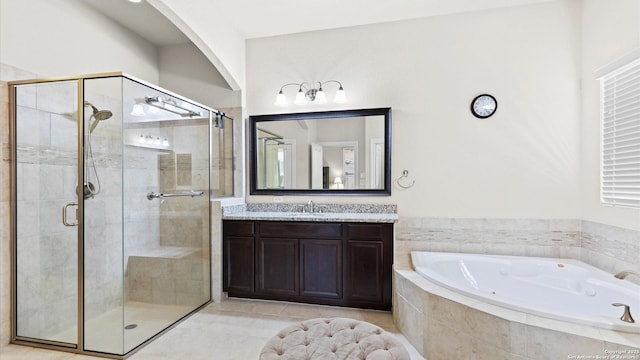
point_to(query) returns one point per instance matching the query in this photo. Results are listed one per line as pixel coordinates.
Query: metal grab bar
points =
(151, 195)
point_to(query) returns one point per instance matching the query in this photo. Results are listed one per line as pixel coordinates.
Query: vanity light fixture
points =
(137, 110)
(306, 94)
(169, 105)
(156, 103)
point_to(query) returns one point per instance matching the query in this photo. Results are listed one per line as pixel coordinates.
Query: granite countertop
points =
(370, 213)
(321, 217)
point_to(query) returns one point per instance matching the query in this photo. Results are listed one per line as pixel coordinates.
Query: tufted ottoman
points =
(335, 339)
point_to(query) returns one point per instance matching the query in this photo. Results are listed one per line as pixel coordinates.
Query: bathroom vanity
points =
(327, 259)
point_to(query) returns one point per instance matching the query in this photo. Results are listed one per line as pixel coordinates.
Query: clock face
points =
(484, 106)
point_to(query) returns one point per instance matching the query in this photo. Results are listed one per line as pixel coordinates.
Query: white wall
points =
(66, 37)
(186, 71)
(521, 163)
(609, 31)
(209, 30)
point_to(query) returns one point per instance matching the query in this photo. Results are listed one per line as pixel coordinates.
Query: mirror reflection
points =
(326, 152)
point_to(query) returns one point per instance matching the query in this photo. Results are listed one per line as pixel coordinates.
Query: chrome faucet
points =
(623, 274)
(310, 206)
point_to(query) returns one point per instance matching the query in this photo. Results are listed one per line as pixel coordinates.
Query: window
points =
(620, 133)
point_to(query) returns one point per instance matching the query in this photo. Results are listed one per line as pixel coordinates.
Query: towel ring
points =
(405, 175)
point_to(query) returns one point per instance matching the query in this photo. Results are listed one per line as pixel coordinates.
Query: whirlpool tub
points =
(559, 289)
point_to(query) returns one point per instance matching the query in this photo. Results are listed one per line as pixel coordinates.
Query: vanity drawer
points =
(369, 231)
(238, 227)
(299, 229)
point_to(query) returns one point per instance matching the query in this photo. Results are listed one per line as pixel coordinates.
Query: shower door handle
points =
(64, 214)
(151, 195)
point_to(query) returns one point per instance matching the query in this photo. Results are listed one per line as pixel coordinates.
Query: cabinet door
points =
(277, 261)
(321, 268)
(238, 262)
(365, 271)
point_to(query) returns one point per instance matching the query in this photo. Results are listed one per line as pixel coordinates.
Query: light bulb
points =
(165, 142)
(158, 141)
(137, 110)
(340, 96)
(281, 100)
(300, 98)
(321, 98)
(141, 139)
(149, 139)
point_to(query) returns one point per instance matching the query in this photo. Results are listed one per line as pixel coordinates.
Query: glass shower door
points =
(110, 217)
(46, 172)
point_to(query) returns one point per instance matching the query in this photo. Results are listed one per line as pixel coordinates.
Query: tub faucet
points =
(626, 316)
(623, 274)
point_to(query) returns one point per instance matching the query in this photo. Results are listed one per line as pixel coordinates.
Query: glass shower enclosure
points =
(111, 181)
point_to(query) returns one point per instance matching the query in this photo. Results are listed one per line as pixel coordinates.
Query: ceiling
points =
(260, 18)
(142, 19)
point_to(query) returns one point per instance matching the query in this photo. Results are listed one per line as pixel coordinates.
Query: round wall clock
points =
(484, 106)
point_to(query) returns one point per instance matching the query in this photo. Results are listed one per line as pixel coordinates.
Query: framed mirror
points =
(345, 152)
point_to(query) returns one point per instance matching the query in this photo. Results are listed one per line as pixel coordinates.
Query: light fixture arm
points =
(329, 81)
(308, 93)
(299, 85)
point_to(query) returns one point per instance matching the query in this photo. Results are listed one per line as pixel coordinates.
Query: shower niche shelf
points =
(152, 147)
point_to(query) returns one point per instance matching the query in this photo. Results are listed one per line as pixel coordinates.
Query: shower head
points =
(98, 115)
(102, 115)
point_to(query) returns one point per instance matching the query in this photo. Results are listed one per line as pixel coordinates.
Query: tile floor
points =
(234, 329)
(101, 331)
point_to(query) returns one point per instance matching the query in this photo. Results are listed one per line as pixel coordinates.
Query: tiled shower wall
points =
(170, 266)
(607, 247)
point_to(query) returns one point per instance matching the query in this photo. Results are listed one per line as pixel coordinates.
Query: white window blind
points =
(620, 136)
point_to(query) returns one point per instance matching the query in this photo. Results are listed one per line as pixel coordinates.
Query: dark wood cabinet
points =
(364, 271)
(346, 264)
(369, 262)
(277, 267)
(321, 268)
(239, 271)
